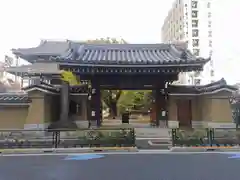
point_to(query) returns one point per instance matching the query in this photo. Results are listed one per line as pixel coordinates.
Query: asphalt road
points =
(143, 143)
(121, 166)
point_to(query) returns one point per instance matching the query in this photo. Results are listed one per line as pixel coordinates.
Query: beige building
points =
(190, 21)
(39, 106)
(201, 106)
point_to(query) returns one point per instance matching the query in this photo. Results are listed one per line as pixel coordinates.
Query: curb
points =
(205, 149)
(68, 150)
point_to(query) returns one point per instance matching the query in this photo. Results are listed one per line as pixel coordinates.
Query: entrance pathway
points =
(152, 132)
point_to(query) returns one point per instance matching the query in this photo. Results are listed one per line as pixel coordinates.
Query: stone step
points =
(160, 142)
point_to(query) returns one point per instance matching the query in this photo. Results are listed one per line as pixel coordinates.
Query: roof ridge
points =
(127, 46)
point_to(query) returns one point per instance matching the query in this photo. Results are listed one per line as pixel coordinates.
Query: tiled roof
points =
(9, 98)
(35, 68)
(112, 54)
(54, 89)
(221, 84)
(44, 86)
(125, 54)
(46, 48)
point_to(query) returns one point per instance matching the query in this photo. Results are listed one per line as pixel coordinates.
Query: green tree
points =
(135, 101)
(110, 97)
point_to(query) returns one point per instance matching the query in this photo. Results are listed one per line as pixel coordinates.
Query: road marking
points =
(152, 138)
(234, 156)
(83, 157)
(116, 153)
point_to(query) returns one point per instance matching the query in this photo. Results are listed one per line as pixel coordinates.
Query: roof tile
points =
(14, 98)
(134, 54)
(70, 51)
(200, 89)
(54, 48)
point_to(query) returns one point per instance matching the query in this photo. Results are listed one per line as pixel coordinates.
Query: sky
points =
(25, 22)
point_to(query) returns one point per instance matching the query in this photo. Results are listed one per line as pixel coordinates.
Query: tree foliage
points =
(235, 103)
(107, 40)
(135, 101)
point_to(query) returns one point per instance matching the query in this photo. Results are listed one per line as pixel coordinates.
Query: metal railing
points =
(107, 137)
(206, 137)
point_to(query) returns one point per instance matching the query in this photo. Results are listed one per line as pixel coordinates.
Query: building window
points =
(209, 14)
(209, 33)
(195, 23)
(209, 24)
(210, 53)
(194, 14)
(195, 42)
(208, 5)
(210, 43)
(194, 4)
(212, 73)
(196, 52)
(195, 32)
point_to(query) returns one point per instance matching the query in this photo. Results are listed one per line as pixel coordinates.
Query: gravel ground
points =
(121, 166)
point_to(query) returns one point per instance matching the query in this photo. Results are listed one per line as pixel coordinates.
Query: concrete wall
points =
(45, 108)
(81, 119)
(207, 110)
(38, 116)
(13, 117)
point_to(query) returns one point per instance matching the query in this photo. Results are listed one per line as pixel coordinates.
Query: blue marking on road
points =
(84, 157)
(235, 156)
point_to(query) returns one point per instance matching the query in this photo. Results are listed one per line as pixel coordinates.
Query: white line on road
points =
(126, 153)
(152, 138)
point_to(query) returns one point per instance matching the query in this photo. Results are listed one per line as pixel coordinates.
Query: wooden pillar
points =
(163, 107)
(160, 106)
(94, 98)
(157, 104)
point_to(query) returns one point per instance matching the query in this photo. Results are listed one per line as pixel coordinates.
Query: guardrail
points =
(206, 137)
(65, 138)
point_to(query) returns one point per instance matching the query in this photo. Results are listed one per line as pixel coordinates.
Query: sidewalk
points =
(67, 150)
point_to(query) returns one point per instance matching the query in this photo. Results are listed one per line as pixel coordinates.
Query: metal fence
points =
(206, 137)
(107, 137)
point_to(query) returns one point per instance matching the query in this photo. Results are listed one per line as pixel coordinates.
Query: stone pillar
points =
(65, 122)
(64, 102)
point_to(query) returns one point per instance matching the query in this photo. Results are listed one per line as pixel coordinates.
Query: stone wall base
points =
(36, 126)
(209, 124)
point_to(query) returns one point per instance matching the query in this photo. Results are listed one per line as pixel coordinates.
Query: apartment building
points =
(190, 21)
